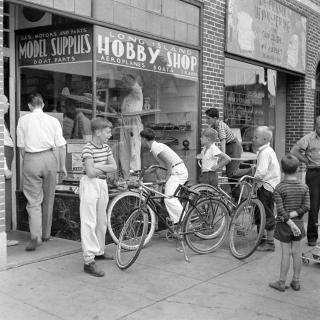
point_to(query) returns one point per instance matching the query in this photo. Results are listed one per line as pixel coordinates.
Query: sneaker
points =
(312, 243)
(295, 285)
(32, 245)
(278, 285)
(104, 256)
(11, 243)
(93, 270)
(266, 246)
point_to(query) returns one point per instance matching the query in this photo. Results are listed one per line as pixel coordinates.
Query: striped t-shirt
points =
(98, 154)
(291, 195)
(224, 132)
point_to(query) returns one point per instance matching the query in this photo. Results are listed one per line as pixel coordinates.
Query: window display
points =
(249, 99)
(138, 83)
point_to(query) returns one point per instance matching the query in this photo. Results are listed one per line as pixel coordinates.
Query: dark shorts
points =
(283, 232)
(209, 177)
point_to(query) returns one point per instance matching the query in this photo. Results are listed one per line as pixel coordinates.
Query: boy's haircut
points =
(99, 124)
(213, 113)
(148, 134)
(210, 133)
(289, 164)
(35, 99)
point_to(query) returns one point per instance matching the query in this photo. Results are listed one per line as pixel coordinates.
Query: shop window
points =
(250, 97)
(6, 25)
(137, 88)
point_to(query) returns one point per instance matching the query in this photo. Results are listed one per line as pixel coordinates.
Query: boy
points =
(98, 160)
(212, 158)
(177, 171)
(268, 170)
(293, 201)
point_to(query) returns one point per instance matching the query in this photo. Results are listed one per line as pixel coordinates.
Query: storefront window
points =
(145, 83)
(250, 98)
(139, 83)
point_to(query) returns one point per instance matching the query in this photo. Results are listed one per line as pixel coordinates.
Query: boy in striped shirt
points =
(293, 201)
(98, 160)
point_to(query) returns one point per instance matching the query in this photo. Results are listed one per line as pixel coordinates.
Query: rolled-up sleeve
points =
(303, 143)
(59, 140)
(20, 135)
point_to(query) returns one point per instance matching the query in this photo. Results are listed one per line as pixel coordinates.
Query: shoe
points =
(46, 239)
(266, 246)
(32, 245)
(104, 256)
(11, 243)
(312, 243)
(278, 285)
(263, 240)
(92, 269)
(295, 285)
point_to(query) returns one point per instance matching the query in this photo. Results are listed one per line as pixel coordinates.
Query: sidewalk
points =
(160, 285)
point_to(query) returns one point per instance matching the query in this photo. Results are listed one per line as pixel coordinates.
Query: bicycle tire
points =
(245, 234)
(131, 239)
(206, 226)
(120, 208)
(206, 190)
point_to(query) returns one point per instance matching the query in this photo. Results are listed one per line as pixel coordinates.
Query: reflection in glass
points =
(250, 95)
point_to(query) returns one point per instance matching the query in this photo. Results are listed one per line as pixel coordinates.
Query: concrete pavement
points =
(160, 285)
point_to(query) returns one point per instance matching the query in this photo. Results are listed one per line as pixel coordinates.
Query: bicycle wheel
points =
(206, 190)
(206, 225)
(131, 238)
(118, 211)
(245, 233)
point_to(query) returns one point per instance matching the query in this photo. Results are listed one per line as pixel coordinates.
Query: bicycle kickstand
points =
(182, 249)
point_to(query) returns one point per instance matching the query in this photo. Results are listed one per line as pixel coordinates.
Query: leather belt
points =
(39, 151)
(181, 162)
(102, 177)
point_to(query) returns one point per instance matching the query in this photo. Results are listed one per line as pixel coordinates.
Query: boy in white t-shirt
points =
(212, 157)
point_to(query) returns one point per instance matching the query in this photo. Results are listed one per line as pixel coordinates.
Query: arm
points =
(111, 166)
(282, 214)
(262, 166)
(91, 171)
(296, 151)
(223, 145)
(224, 159)
(7, 171)
(305, 206)
(62, 159)
(22, 152)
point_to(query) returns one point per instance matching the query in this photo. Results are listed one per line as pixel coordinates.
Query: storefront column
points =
(3, 235)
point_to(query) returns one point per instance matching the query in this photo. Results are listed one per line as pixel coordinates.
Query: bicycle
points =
(201, 229)
(247, 215)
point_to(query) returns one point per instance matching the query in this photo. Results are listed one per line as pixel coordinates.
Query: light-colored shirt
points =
(134, 100)
(268, 168)
(158, 147)
(37, 131)
(310, 144)
(209, 157)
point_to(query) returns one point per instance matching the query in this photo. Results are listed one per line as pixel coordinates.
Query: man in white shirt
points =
(268, 170)
(38, 135)
(178, 173)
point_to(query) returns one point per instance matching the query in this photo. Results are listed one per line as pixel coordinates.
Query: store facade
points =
(161, 64)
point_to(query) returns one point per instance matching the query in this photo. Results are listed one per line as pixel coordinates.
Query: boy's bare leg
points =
(297, 261)
(285, 260)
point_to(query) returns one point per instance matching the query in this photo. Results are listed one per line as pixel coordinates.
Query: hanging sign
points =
(267, 31)
(120, 48)
(41, 46)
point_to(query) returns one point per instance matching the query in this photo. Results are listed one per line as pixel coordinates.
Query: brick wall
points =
(213, 32)
(300, 96)
(3, 244)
